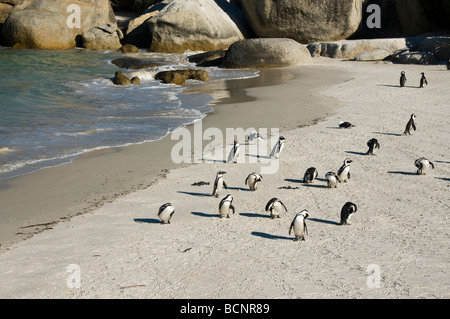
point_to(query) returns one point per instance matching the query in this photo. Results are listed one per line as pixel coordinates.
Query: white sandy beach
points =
(400, 229)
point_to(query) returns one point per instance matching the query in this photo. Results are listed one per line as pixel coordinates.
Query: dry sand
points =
(399, 234)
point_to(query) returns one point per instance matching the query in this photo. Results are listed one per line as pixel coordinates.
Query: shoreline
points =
(396, 245)
(34, 202)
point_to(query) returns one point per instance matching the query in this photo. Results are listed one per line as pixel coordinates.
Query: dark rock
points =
(120, 79)
(439, 46)
(211, 58)
(134, 63)
(179, 77)
(135, 80)
(128, 48)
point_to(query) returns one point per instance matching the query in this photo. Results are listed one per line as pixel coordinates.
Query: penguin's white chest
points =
(332, 180)
(252, 181)
(344, 174)
(224, 208)
(299, 227)
(277, 208)
(165, 214)
(280, 148)
(220, 184)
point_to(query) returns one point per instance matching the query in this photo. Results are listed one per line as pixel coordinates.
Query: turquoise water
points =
(56, 105)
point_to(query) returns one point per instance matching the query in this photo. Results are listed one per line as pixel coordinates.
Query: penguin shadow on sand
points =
(317, 185)
(402, 173)
(258, 156)
(293, 180)
(445, 179)
(241, 189)
(195, 194)
(387, 133)
(213, 160)
(398, 86)
(299, 181)
(324, 221)
(356, 153)
(205, 214)
(269, 236)
(147, 220)
(252, 215)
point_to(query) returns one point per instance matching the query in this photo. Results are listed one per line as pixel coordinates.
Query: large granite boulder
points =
(349, 49)
(374, 55)
(439, 46)
(196, 25)
(414, 57)
(266, 52)
(412, 17)
(305, 21)
(104, 37)
(138, 33)
(46, 24)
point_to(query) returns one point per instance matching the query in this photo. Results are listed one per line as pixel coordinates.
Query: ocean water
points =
(56, 105)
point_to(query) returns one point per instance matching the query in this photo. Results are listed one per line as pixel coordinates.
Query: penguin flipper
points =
(225, 185)
(306, 228)
(290, 227)
(215, 187)
(232, 208)
(432, 165)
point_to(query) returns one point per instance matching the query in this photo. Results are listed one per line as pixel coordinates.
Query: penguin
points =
(310, 174)
(345, 124)
(448, 64)
(219, 183)
(332, 179)
(165, 213)
(253, 136)
(275, 206)
(234, 152)
(226, 204)
(411, 124)
(344, 171)
(423, 165)
(423, 80)
(347, 210)
(276, 150)
(373, 144)
(252, 181)
(299, 225)
(402, 79)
